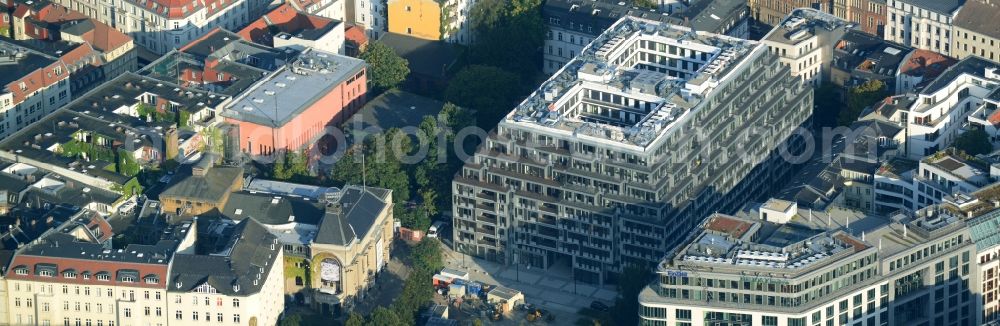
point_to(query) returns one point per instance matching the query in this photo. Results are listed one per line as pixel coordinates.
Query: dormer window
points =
(45, 272)
(69, 274)
(103, 276)
(21, 271)
(128, 279)
(151, 279)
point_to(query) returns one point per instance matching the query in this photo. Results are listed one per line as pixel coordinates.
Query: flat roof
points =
(653, 101)
(279, 98)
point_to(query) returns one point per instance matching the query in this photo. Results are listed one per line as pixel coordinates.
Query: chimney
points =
(171, 143)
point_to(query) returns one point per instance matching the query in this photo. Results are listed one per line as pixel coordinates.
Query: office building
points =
(776, 264)
(922, 24)
(627, 147)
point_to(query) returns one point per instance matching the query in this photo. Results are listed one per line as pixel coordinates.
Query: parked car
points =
(599, 306)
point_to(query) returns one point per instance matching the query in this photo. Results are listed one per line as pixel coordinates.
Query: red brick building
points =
(292, 108)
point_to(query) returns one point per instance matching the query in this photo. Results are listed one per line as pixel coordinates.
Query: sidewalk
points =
(543, 288)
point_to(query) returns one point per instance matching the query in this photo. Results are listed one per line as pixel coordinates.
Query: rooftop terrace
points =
(613, 94)
(803, 23)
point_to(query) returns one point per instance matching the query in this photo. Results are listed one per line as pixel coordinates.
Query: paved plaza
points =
(552, 289)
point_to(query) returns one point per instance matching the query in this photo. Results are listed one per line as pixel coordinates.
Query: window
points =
(179, 315)
(218, 317)
(128, 312)
(104, 277)
(236, 318)
(194, 315)
(236, 303)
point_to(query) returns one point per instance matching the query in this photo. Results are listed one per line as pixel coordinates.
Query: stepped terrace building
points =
(627, 148)
(776, 264)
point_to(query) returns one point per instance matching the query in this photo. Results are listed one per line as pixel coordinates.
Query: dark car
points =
(599, 306)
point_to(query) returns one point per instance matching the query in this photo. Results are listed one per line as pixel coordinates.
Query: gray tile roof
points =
(352, 216)
(939, 6)
(980, 17)
(248, 256)
(973, 65)
(272, 210)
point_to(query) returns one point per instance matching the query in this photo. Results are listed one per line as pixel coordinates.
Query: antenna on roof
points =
(364, 171)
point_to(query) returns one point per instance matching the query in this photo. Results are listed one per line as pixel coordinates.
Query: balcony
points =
(487, 219)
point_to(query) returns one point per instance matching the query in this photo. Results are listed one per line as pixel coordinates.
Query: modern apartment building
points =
(922, 24)
(776, 264)
(975, 31)
(941, 109)
(572, 24)
(625, 149)
(161, 25)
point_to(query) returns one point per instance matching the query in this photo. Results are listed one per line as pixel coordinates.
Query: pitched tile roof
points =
(283, 19)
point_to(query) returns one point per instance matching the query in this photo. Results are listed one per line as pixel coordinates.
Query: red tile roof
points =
(728, 225)
(928, 64)
(37, 80)
(105, 38)
(55, 13)
(357, 35)
(284, 18)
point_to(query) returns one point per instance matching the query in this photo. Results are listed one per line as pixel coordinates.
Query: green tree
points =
(383, 316)
(380, 166)
(280, 170)
(292, 320)
(509, 34)
(490, 91)
(354, 319)
(974, 142)
(828, 106)
(632, 280)
(386, 68)
(859, 97)
(648, 4)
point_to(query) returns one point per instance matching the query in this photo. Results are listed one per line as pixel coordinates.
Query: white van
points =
(433, 231)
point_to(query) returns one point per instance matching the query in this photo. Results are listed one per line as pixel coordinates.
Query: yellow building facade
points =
(417, 18)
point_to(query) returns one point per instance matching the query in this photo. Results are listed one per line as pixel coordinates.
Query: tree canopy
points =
(974, 142)
(490, 91)
(386, 69)
(859, 97)
(632, 280)
(509, 35)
